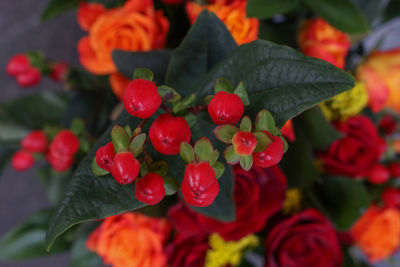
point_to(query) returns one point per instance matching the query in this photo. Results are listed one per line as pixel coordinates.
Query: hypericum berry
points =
(29, 77)
(150, 189)
(391, 197)
(225, 108)
(22, 160)
(394, 169)
(168, 132)
(141, 98)
(125, 168)
(35, 141)
(379, 174)
(64, 144)
(270, 156)
(244, 143)
(60, 162)
(105, 156)
(199, 186)
(388, 124)
(17, 64)
(59, 71)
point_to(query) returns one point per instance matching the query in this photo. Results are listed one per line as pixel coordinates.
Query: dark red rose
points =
(355, 153)
(259, 194)
(306, 239)
(187, 251)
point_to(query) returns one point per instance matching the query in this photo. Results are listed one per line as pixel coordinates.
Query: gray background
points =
(21, 194)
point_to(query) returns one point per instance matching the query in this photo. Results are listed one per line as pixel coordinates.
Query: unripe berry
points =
(225, 108)
(22, 160)
(59, 71)
(394, 169)
(168, 132)
(150, 189)
(17, 64)
(105, 156)
(270, 156)
(141, 98)
(29, 77)
(64, 144)
(378, 174)
(35, 141)
(199, 186)
(244, 143)
(125, 168)
(391, 197)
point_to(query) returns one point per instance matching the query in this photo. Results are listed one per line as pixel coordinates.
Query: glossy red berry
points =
(244, 143)
(29, 77)
(378, 174)
(17, 64)
(199, 186)
(391, 197)
(225, 108)
(168, 132)
(141, 98)
(150, 189)
(59, 71)
(388, 124)
(125, 168)
(22, 160)
(65, 144)
(394, 169)
(60, 162)
(270, 156)
(35, 141)
(105, 156)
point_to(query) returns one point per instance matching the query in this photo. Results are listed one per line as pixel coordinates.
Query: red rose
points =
(305, 239)
(187, 251)
(357, 151)
(259, 194)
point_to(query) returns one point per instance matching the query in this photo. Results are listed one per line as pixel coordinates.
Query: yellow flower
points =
(292, 202)
(224, 253)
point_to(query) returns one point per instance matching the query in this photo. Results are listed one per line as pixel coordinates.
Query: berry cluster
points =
(36, 142)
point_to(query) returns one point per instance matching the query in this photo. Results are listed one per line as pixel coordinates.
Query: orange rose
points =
(242, 28)
(320, 40)
(131, 240)
(377, 232)
(88, 13)
(136, 26)
(381, 74)
(118, 84)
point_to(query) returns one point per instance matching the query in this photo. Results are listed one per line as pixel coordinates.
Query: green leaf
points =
(230, 155)
(223, 84)
(392, 9)
(6, 154)
(56, 7)
(184, 103)
(168, 94)
(78, 126)
(264, 9)
(170, 185)
(342, 14)
(81, 256)
(224, 133)
(214, 157)
(97, 170)
(159, 167)
(245, 124)
(352, 194)
(219, 169)
(120, 138)
(156, 61)
(26, 240)
(265, 122)
(242, 93)
(143, 73)
(203, 149)
(263, 141)
(186, 152)
(246, 162)
(137, 143)
(278, 79)
(54, 182)
(205, 45)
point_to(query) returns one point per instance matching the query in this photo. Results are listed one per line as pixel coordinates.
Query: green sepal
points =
(242, 93)
(143, 73)
(231, 156)
(245, 124)
(137, 143)
(144, 168)
(191, 119)
(263, 141)
(77, 126)
(285, 144)
(128, 130)
(170, 185)
(36, 59)
(265, 122)
(159, 167)
(207, 99)
(186, 152)
(214, 157)
(97, 170)
(120, 139)
(223, 84)
(168, 94)
(184, 103)
(219, 169)
(224, 133)
(246, 162)
(203, 149)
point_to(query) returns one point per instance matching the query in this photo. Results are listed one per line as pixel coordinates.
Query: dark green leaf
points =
(5, 157)
(54, 182)
(342, 14)
(56, 7)
(392, 9)
(81, 256)
(264, 9)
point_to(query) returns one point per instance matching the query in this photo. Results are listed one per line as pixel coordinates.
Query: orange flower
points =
(130, 240)
(88, 13)
(377, 232)
(118, 84)
(319, 39)
(242, 28)
(288, 131)
(136, 26)
(381, 74)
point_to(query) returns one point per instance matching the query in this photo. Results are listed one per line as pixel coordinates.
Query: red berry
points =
(244, 143)
(22, 160)
(270, 156)
(378, 174)
(150, 189)
(125, 168)
(105, 156)
(225, 108)
(64, 144)
(141, 98)
(391, 197)
(59, 71)
(199, 186)
(59, 162)
(17, 64)
(168, 132)
(394, 169)
(30, 77)
(388, 124)
(35, 141)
